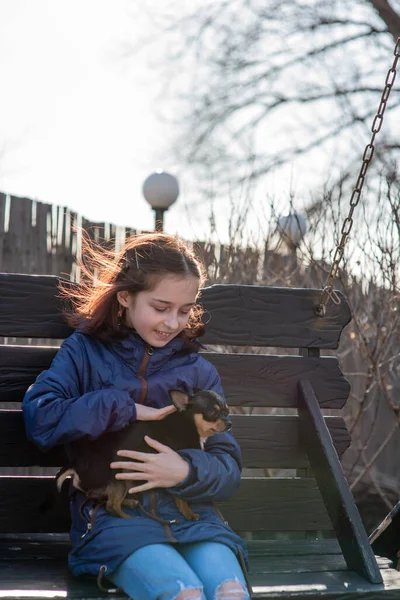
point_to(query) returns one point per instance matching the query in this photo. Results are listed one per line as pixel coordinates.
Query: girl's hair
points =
(145, 259)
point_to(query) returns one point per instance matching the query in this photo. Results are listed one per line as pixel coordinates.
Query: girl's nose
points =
(172, 322)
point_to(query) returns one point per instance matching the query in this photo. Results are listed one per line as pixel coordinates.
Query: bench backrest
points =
(245, 316)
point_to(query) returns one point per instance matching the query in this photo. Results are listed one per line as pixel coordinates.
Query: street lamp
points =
(292, 229)
(160, 189)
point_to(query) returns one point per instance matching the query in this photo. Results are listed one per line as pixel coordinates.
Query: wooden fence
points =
(43, 238)
(46, 239)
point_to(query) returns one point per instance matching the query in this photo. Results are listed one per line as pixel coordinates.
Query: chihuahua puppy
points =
(198, 417)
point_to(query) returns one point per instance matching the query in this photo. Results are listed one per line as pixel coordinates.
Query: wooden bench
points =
(305, 535)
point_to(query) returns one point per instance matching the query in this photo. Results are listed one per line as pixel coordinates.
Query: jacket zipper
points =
(148, 351)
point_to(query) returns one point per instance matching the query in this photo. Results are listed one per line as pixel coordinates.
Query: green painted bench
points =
(294, 507)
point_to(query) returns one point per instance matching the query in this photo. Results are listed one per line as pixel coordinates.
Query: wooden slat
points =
(259, 504)
(248, 379)
(265, 556)
(280, 570)
(262, 380)
(291, 547)
(47, 579)
(23, 246)
(274, 441)
(17, 451)
(19, 367)
(49, 546)
(339, 501)
(22, 502)
(304, 564)
(266, 442)
(42, 579)
(277, 505)
(339, 585)
(29, 307)
(268, 316)
(240, 315)
(298, 564)
(52, 578)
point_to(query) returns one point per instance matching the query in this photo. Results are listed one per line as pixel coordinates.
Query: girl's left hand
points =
(162, 470)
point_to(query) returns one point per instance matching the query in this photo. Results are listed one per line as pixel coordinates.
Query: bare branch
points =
(388, 15)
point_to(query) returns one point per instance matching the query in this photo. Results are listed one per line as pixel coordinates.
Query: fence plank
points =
(2, 230)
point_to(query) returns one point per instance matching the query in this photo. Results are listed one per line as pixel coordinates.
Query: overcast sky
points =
(77, 125)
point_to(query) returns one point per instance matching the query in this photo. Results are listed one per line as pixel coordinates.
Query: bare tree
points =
(274, 82)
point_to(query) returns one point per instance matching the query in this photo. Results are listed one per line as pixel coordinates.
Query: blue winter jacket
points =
(91, 387)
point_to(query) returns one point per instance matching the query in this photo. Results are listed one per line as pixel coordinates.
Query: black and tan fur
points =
(198, 416)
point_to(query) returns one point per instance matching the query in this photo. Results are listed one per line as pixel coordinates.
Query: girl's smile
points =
(163, 335)
(160, 314)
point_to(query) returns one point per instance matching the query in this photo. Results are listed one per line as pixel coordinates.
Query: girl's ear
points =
(123, 298)
(180, 399)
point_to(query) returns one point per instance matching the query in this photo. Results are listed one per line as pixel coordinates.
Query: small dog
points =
(198, 417)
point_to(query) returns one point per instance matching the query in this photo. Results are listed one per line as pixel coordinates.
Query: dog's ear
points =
(180, 399)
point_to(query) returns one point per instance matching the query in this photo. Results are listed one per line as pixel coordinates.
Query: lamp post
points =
(161, 190)
(292, 229)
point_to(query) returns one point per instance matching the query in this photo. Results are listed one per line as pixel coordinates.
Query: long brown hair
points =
(136, 268)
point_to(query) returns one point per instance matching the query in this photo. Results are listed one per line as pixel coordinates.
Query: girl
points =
(137, 325)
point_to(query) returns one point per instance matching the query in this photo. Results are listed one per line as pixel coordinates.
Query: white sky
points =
(78, 123)
(77, 127)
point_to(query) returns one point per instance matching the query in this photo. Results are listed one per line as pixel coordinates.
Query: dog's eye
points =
(212, 415)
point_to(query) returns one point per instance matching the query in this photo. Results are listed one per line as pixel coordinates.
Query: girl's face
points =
(162, 313)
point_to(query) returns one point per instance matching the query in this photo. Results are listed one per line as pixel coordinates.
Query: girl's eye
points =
(161, 310)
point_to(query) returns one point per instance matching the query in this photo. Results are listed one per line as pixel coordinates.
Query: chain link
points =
(327, 292)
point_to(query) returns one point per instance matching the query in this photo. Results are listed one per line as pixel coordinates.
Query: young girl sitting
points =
(137, 324)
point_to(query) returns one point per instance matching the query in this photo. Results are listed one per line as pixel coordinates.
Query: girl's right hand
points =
(147, 413)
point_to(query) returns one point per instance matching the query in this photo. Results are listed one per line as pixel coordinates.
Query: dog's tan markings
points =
(116, 494)
(180, 399)
(185, 509)
(75, 481)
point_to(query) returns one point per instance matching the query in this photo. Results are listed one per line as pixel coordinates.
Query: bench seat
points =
(279, 405)
(280, 569)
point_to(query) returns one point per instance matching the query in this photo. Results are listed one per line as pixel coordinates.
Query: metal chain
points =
(327, 292)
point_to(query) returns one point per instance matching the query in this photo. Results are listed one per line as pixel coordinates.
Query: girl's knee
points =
(231, 590)
(190, 594)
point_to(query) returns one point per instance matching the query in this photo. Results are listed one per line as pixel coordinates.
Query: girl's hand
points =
(147, 413)
(162, 470)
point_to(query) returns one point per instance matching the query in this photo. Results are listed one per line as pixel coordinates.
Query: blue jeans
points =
(163, 572)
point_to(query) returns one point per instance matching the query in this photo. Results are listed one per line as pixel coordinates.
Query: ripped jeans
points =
(165, 572)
